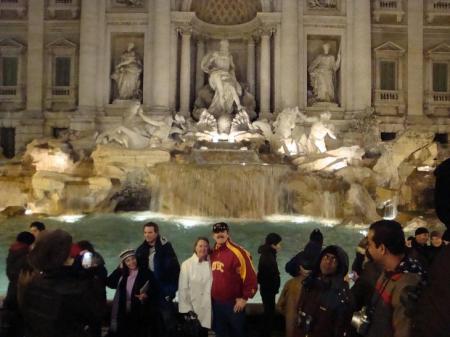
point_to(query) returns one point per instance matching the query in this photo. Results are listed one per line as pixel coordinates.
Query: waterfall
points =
(218, 190)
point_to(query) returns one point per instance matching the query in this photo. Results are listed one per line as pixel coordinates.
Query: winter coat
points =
(325, 305)
(364, 286)
(268, 274)
(390, 316)
(60, 303)
(233, 273)
(166, 266)
(194, 289)
(15, 262)
(288, 303)
(419, 253)
(432, 318)
(133, 322)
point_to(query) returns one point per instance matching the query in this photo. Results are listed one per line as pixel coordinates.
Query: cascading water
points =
(219, 190)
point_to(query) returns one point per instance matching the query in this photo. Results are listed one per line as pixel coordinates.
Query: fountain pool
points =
(112, 233)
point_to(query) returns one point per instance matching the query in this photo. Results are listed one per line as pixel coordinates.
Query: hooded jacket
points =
(268, 273)
(325, 306)
(15, 262)
(307, 258)
(166, 265)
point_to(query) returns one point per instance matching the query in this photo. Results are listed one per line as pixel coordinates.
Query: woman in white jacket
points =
(194, 285)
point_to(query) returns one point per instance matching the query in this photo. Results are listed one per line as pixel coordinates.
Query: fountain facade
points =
(201, 108)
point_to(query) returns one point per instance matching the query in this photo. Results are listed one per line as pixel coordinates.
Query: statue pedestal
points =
(120, 107)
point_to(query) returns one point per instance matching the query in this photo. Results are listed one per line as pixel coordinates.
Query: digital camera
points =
(361, 321)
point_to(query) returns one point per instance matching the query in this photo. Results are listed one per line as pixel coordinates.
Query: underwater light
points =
(28, 211)
(70, 218)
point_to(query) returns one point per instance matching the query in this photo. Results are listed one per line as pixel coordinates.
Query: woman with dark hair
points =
(194, 286)
(135, 294)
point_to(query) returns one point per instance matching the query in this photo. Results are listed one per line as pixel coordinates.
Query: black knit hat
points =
(25, 237)
(220, 227)
(421, 230)
(273, 239)
(316, 235)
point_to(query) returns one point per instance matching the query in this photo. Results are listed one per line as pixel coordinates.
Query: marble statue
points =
(222, 79)
(139, 131)
(205, 98)
(319, 130)
(127, 75)
(285, 123)
(322, 72)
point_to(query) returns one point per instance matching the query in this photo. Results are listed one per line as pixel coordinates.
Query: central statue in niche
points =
(222, 79)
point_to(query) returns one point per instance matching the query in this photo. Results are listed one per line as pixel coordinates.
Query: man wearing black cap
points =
(419, 247)
(234, 282)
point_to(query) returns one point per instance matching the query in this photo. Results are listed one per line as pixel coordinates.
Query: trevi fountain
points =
(260, 112)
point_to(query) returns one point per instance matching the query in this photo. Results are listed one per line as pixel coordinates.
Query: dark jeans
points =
(166, 320)
(268, 300)
(228, 323)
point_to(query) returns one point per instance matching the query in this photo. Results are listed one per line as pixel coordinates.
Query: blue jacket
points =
(166, 265)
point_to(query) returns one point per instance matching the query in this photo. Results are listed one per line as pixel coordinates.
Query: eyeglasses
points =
(330, 257)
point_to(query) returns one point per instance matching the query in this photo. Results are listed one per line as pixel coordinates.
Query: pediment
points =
(442, 48)
(62, 43)
(11, 44)
(389, 47)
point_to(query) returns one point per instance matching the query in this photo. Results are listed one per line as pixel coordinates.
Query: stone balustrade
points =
(389, 102)
(437, 8)
(19, 6)
(61, 95)
(63, 5)
(12, 94)
(437, 103)
(388, 8)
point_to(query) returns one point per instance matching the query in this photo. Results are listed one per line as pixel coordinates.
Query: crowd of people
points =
(399, 287)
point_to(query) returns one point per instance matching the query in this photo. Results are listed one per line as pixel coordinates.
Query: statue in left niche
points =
(127, 75)
(131, 3)
(138, 131)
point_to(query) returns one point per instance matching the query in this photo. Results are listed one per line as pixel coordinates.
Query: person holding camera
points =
(194, 289)
(389, 312)
(325, 307)
(136, 290)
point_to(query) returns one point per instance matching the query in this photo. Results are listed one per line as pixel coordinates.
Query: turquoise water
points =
(112, 233)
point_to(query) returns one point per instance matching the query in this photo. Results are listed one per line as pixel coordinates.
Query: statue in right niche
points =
(322, 72)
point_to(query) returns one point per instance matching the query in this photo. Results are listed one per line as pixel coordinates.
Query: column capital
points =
(266, 30)
(185, 30)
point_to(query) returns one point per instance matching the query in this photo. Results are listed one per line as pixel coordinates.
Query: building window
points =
(62, 71)
(441, 138)
(57, 132)
(387, 75)
(9, 71)
(387, 136)
(7, 141)
(440, 77)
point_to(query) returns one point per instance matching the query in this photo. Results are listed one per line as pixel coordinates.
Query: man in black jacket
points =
(269, 279)
(156, 253)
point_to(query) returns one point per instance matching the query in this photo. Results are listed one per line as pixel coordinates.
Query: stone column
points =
(362, 67)
(415, 58)
(199, 73)
(173, 67)
(88, 56)
(161, 56)
(264, 93)
(35, 58)
(289, 53)
(276, 70)
(251, 64)
(101, 69)
(185, 70)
